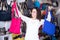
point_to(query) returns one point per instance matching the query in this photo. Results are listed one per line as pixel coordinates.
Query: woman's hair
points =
(38, 13)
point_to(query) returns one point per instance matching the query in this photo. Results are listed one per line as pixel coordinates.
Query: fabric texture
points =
(48, 28)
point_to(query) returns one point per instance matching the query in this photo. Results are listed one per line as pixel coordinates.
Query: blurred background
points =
(25, 6)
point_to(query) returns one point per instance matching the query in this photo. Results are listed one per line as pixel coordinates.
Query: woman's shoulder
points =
(42, 21)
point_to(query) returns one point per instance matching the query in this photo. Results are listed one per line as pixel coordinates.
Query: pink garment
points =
(15, 26)
(16, 22)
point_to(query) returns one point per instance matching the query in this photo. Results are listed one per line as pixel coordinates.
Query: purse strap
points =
(47, 14)
(14, 9)
(52, 17)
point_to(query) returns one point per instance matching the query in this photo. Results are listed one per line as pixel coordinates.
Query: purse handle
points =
(14, 9)
(52, 17)
(47, 13)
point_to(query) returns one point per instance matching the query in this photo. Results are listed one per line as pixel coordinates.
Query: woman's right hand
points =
(17, 10)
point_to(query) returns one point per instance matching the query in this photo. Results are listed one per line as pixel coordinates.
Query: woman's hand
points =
(17, 10)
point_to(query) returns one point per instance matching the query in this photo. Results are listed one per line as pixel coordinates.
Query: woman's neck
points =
(33, 18)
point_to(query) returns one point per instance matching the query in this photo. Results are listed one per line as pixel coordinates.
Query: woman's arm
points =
(49, 17)
(24, 18)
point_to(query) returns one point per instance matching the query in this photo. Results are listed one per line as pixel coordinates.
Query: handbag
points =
(15, 23)
(5, 15)
(48, 27)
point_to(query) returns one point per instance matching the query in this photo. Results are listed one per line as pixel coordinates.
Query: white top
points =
(33, 26)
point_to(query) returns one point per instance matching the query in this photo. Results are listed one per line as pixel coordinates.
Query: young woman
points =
(33, 23)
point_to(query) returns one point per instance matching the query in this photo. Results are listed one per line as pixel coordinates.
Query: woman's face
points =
(34, 13)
